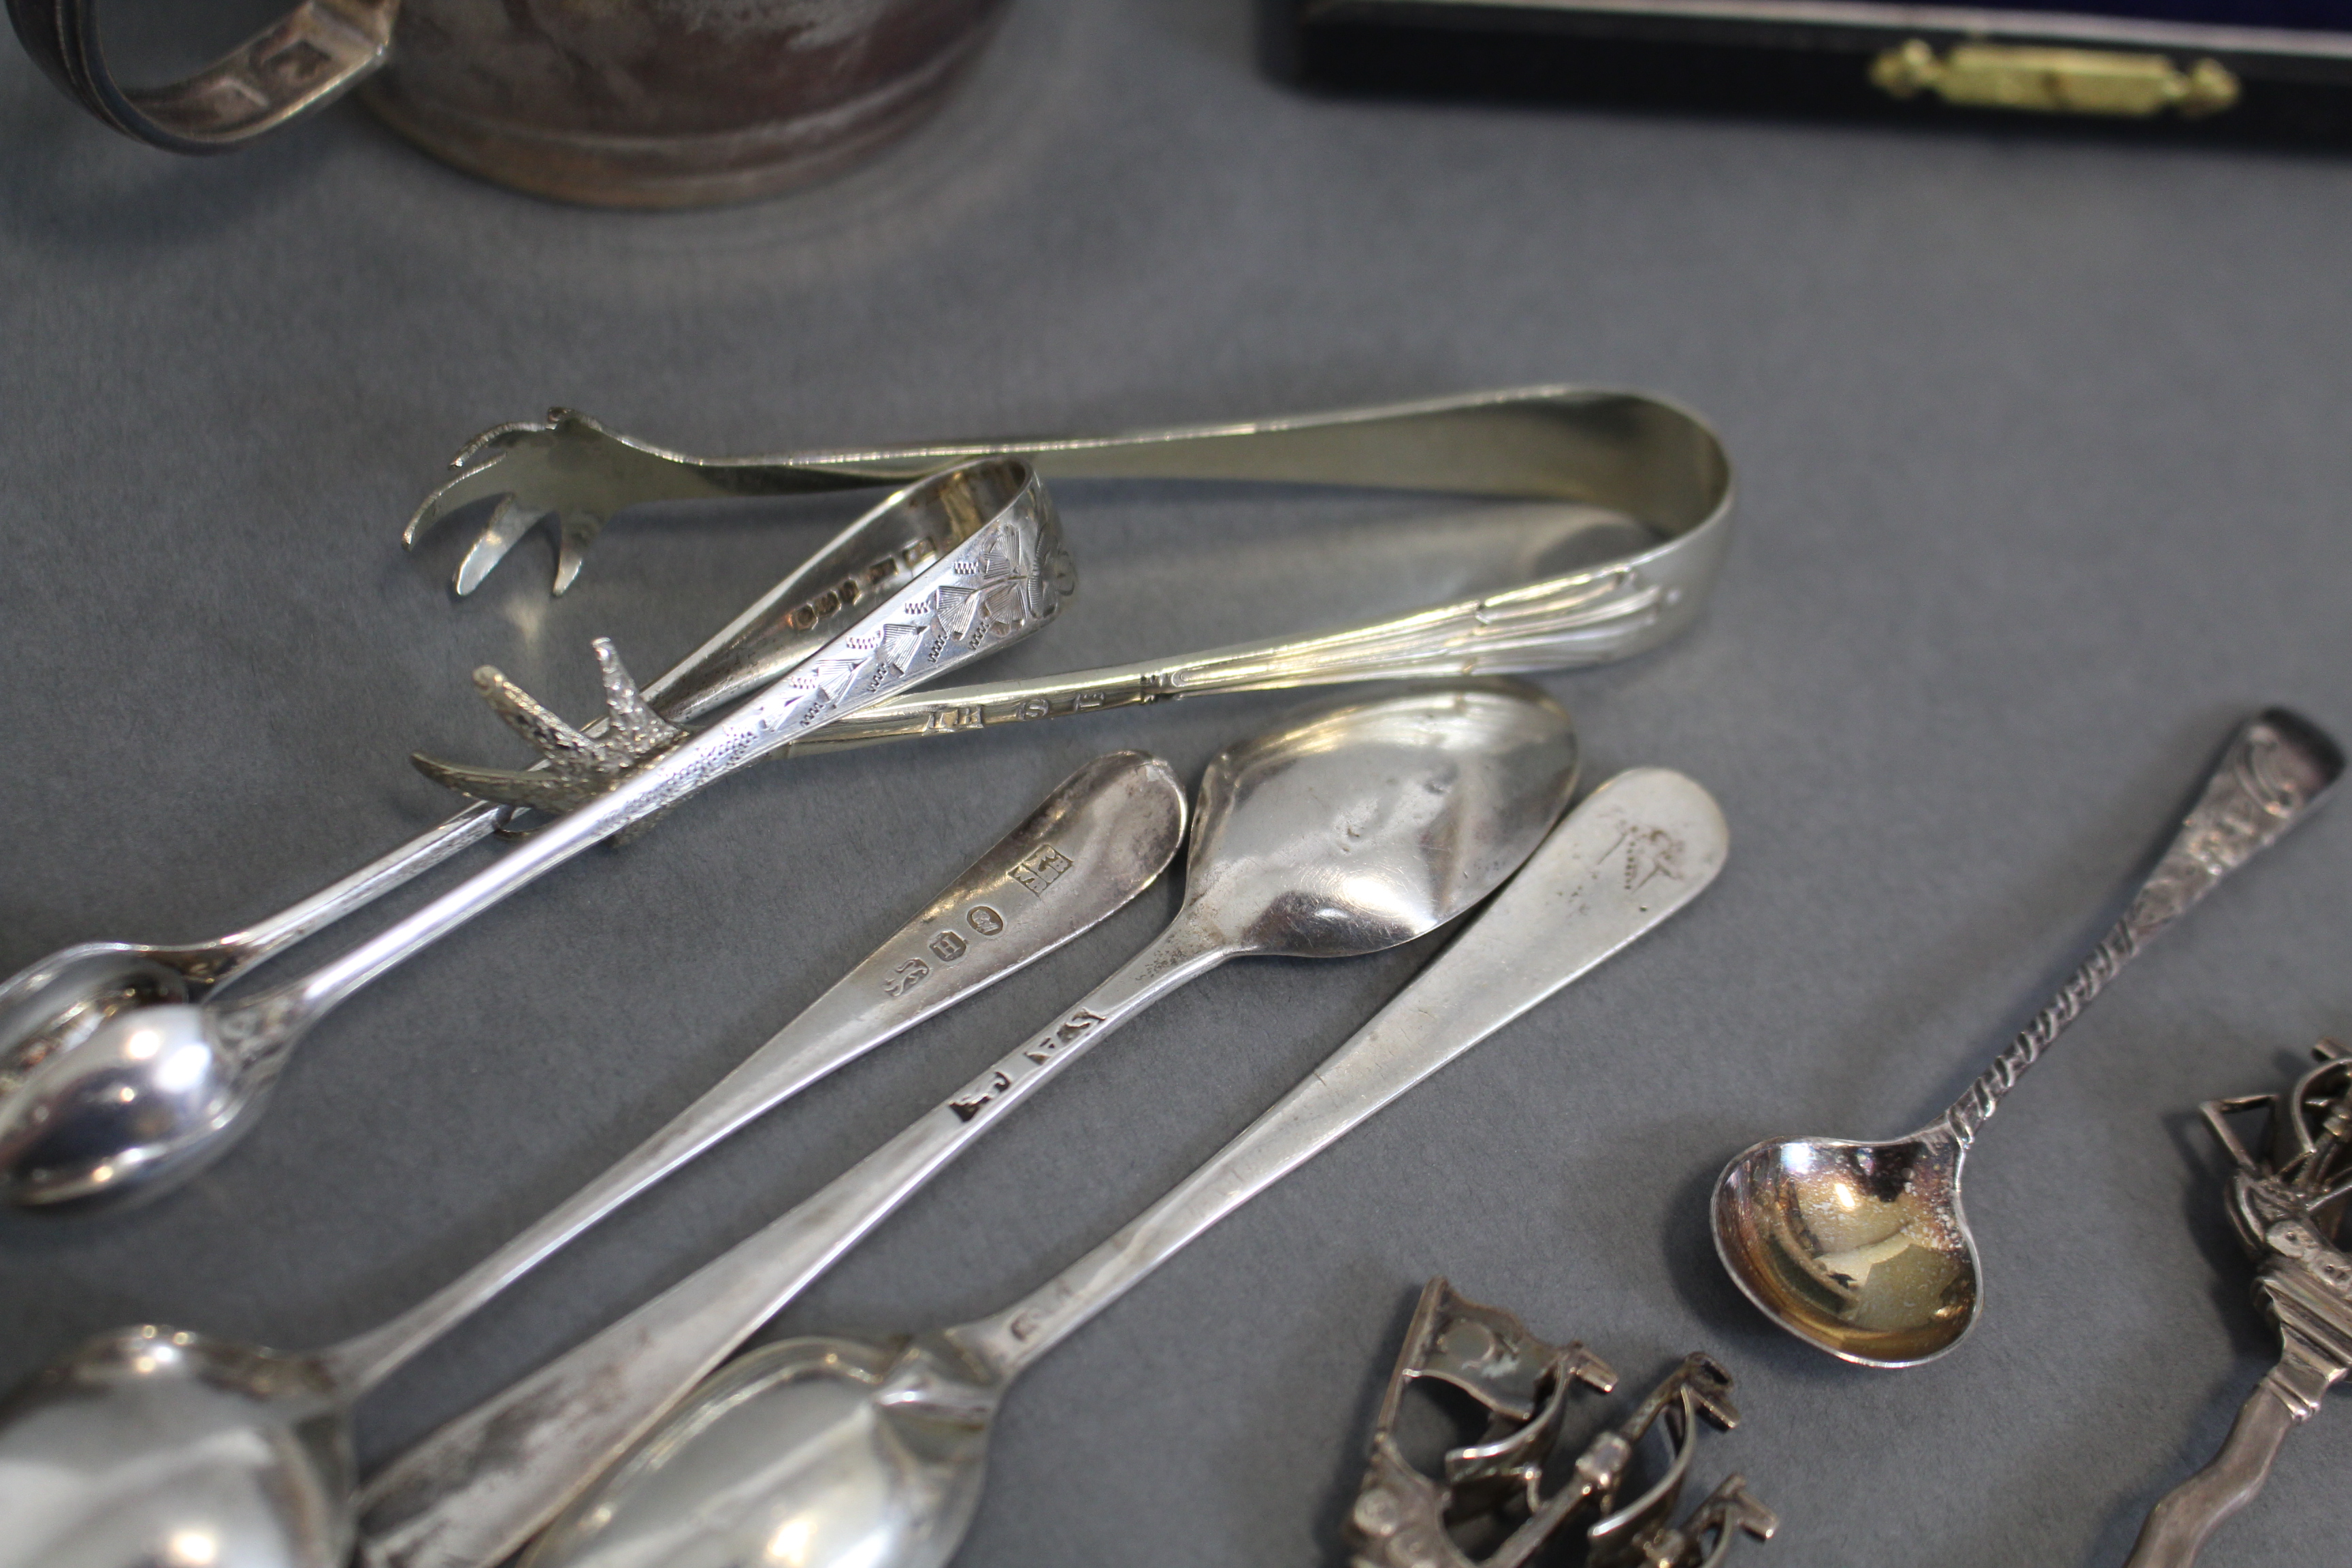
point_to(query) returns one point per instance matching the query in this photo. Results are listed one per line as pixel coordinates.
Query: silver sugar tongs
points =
(1641, 456)
(1635, 454)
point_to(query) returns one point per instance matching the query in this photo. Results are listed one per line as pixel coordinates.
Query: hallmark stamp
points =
(984, 920)
(970, 1106)
(1043, 869)
(906, 977)
(1071, 1027)
(947, 947)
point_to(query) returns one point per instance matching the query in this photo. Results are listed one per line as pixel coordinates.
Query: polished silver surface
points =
(1864, 1248)
(2288, 1208)
(55, 1000)
(1511, 1495)
(150, 1441)
(1346, 832)
(1637, 455)
(842, 1453)
(308, 57)
(130, 1089)
(1582, 618)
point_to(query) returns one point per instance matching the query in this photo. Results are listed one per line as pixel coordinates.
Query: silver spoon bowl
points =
(247, 1455)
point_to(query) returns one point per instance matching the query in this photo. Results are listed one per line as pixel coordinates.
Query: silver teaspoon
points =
(156, 1445)
(144, 1092)
(1351, 831)
(839, 1453)
(50, 1001)
(1863, 1249)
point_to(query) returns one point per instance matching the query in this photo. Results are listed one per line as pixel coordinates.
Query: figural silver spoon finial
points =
(1507, 1497)
(1863, 1249)
(2288, 1208)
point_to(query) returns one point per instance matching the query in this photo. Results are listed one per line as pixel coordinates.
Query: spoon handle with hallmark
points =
(1102, 836)
(473, 1492)
(1638, 849)
(2275, 770)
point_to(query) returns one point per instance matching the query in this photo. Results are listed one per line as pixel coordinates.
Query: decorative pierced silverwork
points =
(2288, 1209)
(1488, 1506)
(575, 765)
(1001, 587)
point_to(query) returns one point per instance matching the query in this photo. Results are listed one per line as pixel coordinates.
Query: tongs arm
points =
(1638, 455)
(1584, 618)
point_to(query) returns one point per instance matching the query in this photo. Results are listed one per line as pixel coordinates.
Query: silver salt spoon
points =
(1863, 1249)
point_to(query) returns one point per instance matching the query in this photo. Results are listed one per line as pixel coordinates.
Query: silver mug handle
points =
(305, 59)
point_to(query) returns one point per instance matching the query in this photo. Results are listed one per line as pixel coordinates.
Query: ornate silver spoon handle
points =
(2287, 1207)
(1639, 848)
(2273, 772)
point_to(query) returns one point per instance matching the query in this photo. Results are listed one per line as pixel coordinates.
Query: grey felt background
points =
(2041, 446)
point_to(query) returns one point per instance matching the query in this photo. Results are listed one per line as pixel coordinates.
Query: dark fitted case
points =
(2265, 69)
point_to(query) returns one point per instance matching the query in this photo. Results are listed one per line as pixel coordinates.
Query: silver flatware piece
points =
(1641, 455)
(149, 1440)
(133, 1089)
(871, 1453)
(1343, 833)
(1863, 1249)
(2288, 1208)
